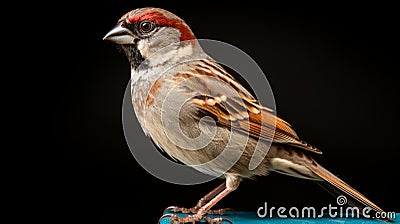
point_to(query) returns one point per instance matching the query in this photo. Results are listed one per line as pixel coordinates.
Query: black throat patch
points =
(134, 56)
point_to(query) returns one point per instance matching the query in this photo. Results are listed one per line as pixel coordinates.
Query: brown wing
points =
(219, 95)
(257, 122)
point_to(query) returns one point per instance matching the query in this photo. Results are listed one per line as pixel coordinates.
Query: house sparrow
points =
(173, 80)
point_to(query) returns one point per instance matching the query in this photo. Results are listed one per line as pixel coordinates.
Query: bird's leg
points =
(202, 211)
(210, 195)
(202, 202)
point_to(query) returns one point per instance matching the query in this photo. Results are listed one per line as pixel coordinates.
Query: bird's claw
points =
(181, 209)
(174, 219)
(194, 210)
(217, 220)
(222, 211)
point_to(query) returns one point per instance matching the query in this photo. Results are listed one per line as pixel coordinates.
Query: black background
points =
(332, 67)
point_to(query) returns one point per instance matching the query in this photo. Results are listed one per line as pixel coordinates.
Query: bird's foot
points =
(202, 208)
(174, 219)
(195, 209)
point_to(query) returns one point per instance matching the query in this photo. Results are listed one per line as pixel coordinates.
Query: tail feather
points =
(342, 186)
(352, 202)
(294, 163)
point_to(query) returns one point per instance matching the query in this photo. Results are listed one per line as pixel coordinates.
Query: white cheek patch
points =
(143, 47)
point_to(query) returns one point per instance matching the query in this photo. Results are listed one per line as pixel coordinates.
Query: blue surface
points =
(252, 218)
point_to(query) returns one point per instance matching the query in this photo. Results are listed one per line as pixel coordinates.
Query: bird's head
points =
(141, 32)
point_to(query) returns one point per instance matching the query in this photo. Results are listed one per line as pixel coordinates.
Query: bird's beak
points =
(120, 35)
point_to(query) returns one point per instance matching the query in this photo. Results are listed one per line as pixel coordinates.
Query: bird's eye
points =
(146, 26)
